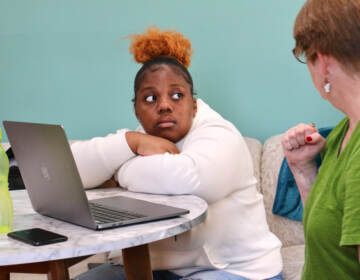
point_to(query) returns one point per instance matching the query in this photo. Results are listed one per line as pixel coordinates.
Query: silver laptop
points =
(52, 180)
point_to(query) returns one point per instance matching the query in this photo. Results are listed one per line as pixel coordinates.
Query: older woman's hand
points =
(146, 145)
(301, 144)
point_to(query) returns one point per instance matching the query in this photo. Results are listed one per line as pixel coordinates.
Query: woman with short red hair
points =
(327, 35)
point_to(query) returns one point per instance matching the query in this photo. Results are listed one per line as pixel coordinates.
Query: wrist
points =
(302, 165)
(132, 140)
(304, 172)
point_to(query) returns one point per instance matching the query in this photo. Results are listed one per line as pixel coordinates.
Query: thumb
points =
(314, 138)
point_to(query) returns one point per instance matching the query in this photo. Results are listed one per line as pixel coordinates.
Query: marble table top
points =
(83, 241)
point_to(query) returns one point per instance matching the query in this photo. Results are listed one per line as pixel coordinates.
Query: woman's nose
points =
(164, 105)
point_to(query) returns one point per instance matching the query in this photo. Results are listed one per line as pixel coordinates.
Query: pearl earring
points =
(327, 86)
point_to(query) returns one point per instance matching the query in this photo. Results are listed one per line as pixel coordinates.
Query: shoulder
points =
(336, 135)
(338, 130)
(354, 146)
(208, 117)
(210, 129)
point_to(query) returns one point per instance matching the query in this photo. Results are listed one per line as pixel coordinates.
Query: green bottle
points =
(6, 207)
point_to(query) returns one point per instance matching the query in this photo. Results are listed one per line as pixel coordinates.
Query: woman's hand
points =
(301, 144)
(146, 145)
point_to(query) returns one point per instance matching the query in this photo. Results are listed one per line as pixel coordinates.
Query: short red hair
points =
(331, 27)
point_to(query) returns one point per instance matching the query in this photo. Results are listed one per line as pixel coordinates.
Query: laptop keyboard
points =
(104, 215)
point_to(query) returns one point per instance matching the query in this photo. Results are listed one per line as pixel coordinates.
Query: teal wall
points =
(66, 62)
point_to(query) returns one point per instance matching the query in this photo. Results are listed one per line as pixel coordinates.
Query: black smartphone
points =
(37, 236)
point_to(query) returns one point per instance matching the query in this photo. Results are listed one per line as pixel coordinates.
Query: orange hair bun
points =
(153, 43)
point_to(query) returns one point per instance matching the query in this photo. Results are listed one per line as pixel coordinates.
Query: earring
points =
(327, 86)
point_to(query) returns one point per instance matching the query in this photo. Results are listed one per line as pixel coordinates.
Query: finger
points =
(300, 135)
(310, 129)
(314, 138)
(293, 139)
(175, 150)
(293, 144)
(172, 149)
(305, 129)
(314, 126)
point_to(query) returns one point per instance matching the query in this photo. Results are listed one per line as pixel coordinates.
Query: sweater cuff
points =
(115, 150)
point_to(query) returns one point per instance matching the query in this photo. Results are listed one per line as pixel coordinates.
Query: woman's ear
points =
(194, 107)
(324, 62)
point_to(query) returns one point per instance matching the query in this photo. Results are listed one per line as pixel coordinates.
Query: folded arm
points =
(98, 159)
(212, 158)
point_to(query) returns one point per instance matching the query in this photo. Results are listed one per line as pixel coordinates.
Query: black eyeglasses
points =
(300, 57)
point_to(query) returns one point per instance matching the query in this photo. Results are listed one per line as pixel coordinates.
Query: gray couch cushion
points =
(293, 258)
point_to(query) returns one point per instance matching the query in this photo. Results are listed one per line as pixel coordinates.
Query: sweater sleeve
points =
(214, 161)
(98, 159)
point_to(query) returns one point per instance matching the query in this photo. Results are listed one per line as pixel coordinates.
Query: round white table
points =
(55, 259)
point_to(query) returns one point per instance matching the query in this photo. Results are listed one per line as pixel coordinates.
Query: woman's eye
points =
(177, 95)
(150, 98)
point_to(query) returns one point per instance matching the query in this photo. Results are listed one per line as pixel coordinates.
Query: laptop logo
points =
(45, 173)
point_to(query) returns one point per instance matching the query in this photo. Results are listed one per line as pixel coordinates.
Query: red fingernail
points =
(308, 138)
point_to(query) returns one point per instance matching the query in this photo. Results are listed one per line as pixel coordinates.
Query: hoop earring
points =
(327, 85)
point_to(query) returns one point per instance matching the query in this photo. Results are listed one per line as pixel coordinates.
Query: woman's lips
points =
(166, 123)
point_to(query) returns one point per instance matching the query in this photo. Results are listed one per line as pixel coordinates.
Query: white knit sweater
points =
(215, 164)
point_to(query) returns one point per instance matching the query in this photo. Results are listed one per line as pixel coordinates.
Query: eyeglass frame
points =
(297, 57)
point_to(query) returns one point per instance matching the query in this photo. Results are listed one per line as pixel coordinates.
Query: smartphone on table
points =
(37, 236)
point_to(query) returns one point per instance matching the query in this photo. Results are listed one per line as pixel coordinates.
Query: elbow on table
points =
(92, 182)
(178, 184)
(170, 184)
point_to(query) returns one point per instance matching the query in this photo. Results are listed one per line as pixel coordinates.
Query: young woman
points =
(185, 147)
(327, 34)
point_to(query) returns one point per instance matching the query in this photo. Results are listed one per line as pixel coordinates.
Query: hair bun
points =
(153, 43)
